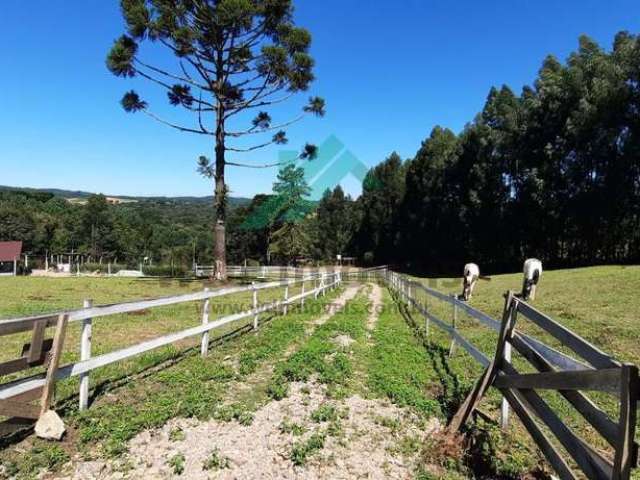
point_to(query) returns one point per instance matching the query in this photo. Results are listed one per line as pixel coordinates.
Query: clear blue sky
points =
(389, 71)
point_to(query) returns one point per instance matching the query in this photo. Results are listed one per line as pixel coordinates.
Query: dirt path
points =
(375, 299)
(237, 390)
(336, 306)
(358, 438)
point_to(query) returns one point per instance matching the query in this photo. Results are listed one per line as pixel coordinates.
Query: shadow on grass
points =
(484, 439)
(14, 430)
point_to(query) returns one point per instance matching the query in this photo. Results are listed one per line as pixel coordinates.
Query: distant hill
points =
(79, 196)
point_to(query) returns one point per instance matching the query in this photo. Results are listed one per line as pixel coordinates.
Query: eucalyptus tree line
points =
(231, 57)
(552, 172)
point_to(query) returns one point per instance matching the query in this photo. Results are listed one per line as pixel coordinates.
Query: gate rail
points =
(594, 371)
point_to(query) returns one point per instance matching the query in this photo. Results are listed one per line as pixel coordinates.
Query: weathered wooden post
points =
(454, 325)
(54, 362)
(85, 354)
(302, 298)
(204, 342)
(255, 305)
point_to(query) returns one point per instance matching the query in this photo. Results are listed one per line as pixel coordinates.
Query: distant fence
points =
(277, 271)
(16, 396)
(557, 371)
(257, 271)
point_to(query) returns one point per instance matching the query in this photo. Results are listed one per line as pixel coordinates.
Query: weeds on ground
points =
(302, 450)
(320, 355)
(215, 461)
(191, 387)
(324, 413)
(176, 434)
(398, 365)
(177, 463)
(485, 452)
(238, 412)
(41, 456)
(288, 426)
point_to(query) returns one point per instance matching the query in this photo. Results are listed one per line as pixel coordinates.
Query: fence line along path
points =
(16, 396)
(594, 370)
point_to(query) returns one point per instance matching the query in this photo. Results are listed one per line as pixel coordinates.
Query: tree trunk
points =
(220, 247)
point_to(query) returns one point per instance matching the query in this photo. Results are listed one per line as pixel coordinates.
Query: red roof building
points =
(10, 251)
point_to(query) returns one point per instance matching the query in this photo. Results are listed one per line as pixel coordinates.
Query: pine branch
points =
(246, 165)
(170, 75)
(255, 130)
(250, 149)
(203, 131)
(259, 104)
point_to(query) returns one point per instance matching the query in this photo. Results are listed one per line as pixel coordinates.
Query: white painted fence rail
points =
(90, 313)
(276, 271)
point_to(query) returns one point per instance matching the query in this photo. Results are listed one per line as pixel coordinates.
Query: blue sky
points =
(389, 71)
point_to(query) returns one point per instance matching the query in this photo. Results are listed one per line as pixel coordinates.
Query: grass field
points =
(147, 390)
(396, 362)
(601, 304)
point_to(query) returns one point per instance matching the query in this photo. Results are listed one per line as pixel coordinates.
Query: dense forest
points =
(552, 172)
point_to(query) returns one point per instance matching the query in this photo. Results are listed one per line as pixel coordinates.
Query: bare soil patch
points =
(366, 439)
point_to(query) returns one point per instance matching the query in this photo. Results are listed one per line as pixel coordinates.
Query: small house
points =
(9, 257)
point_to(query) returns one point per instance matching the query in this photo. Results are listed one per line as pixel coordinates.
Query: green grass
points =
(598, 303)
(215, 461)
(398, 363)
(28, 296)
(321, 356)
(398, 366)
(177, 463)
(302, 450)
(189, 386)
(417, 373)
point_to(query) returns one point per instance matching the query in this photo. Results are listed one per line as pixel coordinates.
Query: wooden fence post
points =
(454, 325)
(302, 298)
(427, 321)
(54, 362)
(204, 343)
(286, 297)
(255, 305)
(85, 354)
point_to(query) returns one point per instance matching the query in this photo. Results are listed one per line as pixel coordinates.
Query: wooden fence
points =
(16, 396)
(596, 371)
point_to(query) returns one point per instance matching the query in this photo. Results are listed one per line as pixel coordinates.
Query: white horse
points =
(469, 279)
(532, 273)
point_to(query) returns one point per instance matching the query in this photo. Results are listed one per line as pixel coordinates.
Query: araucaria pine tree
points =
(231, 57)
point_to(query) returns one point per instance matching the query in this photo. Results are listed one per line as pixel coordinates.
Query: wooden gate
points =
(597, 371)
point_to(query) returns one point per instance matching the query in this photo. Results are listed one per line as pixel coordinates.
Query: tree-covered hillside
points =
(552, 172)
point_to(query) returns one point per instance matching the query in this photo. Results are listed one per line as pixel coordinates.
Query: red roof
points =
(10, 251)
